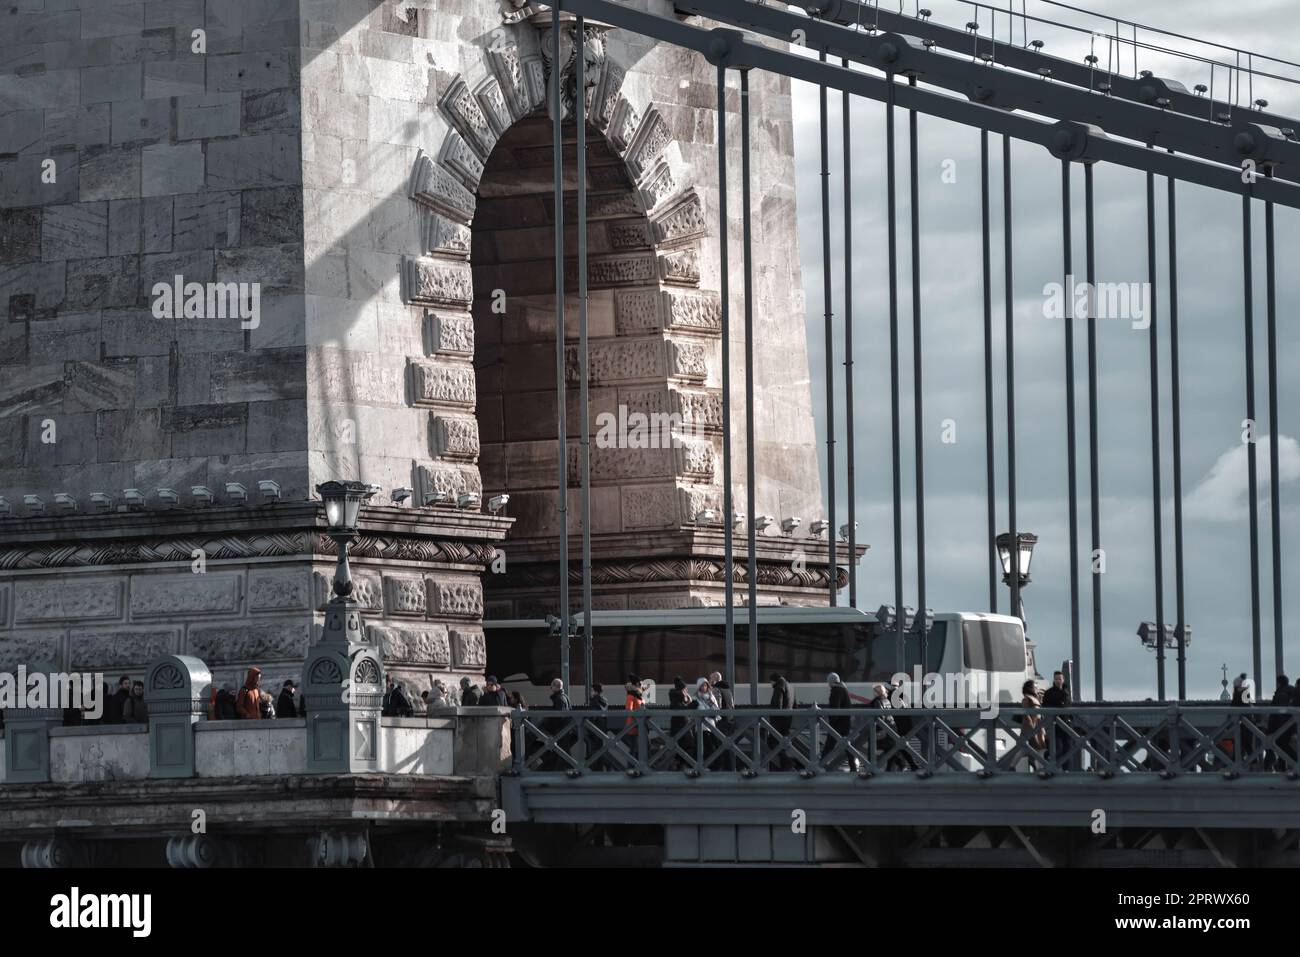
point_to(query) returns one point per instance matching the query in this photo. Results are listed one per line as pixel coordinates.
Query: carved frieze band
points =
(685, 570)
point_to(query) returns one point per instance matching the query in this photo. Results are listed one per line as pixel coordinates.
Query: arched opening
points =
(512, 256)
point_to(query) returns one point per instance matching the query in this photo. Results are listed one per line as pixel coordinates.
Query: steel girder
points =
(1064, 140)
(897, 52)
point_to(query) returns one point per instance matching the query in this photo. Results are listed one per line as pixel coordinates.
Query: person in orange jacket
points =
(249, 702)
(634, 702)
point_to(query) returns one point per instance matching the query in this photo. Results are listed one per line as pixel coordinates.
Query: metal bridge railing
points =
(1105, 742)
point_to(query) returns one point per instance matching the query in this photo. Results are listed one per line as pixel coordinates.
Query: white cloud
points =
(1222, 495)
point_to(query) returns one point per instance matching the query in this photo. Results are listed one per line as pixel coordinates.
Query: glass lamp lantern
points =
(1026, 542)
(343, 502)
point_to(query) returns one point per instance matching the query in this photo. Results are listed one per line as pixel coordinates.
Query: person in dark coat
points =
(225, 707)
(556, 727)
(839, 698)
(116, 705)
(399, 706)
(494, 696)
(783, 699)
(1058, 696)
(469, 693)
(593, 726)
(286, 707)
(726, 726)
(1282, 756)
(134, 711)
(679, 699)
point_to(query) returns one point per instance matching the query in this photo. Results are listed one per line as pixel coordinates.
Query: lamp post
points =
(343, 678)
(1175, 638)
(1020, 558)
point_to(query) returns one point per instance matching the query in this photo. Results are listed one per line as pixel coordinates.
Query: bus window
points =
(883, 661)
(993, 646)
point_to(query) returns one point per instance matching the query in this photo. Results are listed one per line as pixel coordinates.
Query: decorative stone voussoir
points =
(681, 266)
(611, 82)
(456, 599)
(429, 644)
(434, 185)
(623, 124)
(651, 139)
(470, 648)
(534, 71)
(37, 601)
(159, 596)
(404, 596)
(467, 116)
(440, 236)
(689, 359)
(693, 312)
(443, 383)
(450, 333)
(493, 105)
(455, 155)
(278, 590)
(455, 436)
(659, 185)
(503, 58)
(253, 642)
(680, 221)
(439, 281)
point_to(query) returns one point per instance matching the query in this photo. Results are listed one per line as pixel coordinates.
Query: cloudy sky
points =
(1216, 531)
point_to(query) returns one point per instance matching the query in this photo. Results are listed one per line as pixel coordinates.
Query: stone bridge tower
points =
(382, 172)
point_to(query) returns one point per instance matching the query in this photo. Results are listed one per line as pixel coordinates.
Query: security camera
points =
(167, 496)
(788, 525)
(102, 501)
(4, 506)
(201, 494)
(468, 500)
(497, 502)
(437, 498)
(65, 502)
(270, 489)
(134, 498)
(818, 528)
(706, 516)
(400, 495)
(33, 504)
(236, 492)
(762, 522)
(844, 530)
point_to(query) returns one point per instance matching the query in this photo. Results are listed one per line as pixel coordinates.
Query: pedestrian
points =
(1058, 696)
(469, 693)
(841, 725)
(706, 700)
(679, 699)
(266, 706)
(248, 702)
(557, 728)
(494, 696)
(1030, 722)
(286, 707)
(726, 723)
(437, 695)
(116, 705)
(1282, 755)
(633, 702)
(516, 701)
(225, 704)
(399, 706)
(782, 700)
(134, 711)
(596, 729)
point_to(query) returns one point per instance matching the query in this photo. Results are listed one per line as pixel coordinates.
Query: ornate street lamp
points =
(343, 501)
(1025, 552)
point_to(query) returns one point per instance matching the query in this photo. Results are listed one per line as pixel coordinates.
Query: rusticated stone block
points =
(682, 220)
(26, 647)
(278, 589)
(699, 410)
(470, 647)
(428, 644)
(120, 647)
(69, 599)
(619, 360)
(450, 333)
(695, 458)
(443, 383)
(366, 589)
(681, 266)
(456, 156)
(688, 359)
(659, 185)
(211, 593)
(440, 235)
(405, 596)
(695, 499)
(693, 311)
(455, 436)
(649, 506)
(456, 599)
(467, 116)
(651, 139)
(636, 311)
(434, 185)
(448, 479)
(252, 642)
(438, 281)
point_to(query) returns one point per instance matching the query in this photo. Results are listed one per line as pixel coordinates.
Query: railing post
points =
(175, 690)
(27, 733)
(343, 682)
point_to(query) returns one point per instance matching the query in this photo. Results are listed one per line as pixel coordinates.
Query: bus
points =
(804, 644)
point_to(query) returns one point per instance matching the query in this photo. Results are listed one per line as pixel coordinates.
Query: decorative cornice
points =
(675, 570)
